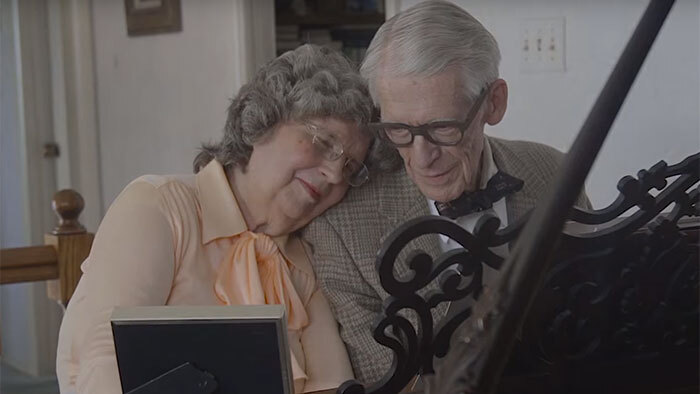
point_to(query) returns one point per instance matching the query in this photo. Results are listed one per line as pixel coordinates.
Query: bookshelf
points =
(346, 25)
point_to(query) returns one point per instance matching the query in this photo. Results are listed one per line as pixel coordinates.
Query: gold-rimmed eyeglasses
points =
(354, 172)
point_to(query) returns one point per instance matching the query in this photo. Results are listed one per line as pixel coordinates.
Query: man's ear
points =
(497, 102)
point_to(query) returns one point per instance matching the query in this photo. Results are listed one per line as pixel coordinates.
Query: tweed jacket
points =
(346, 238)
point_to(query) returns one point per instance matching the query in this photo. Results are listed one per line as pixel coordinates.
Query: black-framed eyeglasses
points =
(354, 172)
(444, 133)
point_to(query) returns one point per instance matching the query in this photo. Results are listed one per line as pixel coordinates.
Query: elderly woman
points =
(293, 142)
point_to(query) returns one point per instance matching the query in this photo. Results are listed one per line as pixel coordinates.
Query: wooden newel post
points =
(72, 243)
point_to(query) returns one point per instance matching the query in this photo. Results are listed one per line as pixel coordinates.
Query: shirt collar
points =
(222, 217)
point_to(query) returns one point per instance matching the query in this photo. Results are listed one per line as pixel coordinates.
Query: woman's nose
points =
(333, 170)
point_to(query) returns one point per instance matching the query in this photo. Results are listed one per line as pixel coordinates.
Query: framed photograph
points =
(183, 349)
(152, 16)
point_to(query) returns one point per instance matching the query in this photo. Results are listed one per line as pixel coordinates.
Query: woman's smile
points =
(311, 189)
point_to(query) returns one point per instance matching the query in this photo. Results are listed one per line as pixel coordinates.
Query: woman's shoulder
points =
(163, 192)
(166, 181)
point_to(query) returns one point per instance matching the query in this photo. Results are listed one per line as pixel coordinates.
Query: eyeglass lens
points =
(353, 171)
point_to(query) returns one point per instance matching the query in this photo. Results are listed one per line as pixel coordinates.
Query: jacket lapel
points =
(506, 160)
(401, 203)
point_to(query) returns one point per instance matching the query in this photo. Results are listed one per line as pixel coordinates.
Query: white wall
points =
(15, 225)
(160, 96)
(660, 118)
(28, 319)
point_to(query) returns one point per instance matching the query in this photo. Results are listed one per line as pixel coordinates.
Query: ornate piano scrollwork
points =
(414, 347)
(615, 302)
(612, 289)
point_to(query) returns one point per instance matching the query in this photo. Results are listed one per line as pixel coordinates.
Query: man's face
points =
(441, 172)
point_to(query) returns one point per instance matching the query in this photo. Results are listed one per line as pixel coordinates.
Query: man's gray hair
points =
(308, 82)
(428, 38)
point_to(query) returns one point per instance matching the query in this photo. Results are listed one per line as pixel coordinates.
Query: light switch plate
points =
(543, 44)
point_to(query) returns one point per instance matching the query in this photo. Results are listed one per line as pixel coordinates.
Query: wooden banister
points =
(59, 259)
(67, 204)
(28, 264)
(72, 243)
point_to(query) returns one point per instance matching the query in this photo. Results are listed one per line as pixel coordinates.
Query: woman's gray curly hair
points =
(310, 81)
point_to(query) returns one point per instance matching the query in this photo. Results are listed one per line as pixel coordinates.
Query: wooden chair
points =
(58, 260)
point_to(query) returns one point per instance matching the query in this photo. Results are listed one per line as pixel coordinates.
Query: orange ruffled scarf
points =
(255, 272)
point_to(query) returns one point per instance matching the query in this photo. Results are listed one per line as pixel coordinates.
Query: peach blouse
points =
(163, 242)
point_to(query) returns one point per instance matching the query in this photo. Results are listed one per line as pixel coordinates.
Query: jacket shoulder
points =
(516, 156)
(532, 160)
(366, 213)
(527, 149)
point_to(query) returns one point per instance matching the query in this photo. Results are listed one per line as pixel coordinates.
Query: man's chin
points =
(439, 195)
(442, 189)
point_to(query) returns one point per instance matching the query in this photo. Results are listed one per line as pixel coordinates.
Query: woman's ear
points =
(497, 102)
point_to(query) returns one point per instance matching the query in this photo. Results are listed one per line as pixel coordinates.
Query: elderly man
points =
(433, 72)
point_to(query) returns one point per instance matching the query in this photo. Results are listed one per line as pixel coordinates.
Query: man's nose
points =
(423, 152)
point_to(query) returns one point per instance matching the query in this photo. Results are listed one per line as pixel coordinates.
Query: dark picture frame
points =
(202, 349)
(144, 17)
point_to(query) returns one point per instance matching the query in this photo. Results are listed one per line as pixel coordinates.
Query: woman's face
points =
(289, 182)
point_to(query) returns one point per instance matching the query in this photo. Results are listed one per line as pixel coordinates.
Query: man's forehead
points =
(391, 69)
(446, 79)
(406, 102)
